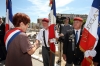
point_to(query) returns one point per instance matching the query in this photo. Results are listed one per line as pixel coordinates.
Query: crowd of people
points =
(16, 49)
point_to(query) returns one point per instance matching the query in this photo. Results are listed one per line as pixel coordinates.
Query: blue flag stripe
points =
(96, 4)
(54, 8)
(99, 23)
(9, 7)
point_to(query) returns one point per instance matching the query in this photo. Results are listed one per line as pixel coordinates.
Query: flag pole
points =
(52, 28)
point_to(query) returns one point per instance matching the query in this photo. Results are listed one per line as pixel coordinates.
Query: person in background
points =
(42, 37)
(71, 52)
(63, 29)
(2, 44)
(18, 46)
(96, 59)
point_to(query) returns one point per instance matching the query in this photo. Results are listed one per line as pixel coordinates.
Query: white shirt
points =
(78, 34)
(40, 37)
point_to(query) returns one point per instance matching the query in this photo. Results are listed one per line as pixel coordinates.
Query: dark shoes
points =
(1, 59)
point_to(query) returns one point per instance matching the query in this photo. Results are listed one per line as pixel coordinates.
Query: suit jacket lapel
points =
(74, 37)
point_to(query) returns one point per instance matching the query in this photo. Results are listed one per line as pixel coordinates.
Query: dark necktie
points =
(45, 40)
(76, 36)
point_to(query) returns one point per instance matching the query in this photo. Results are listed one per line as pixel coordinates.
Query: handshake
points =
(36, 45)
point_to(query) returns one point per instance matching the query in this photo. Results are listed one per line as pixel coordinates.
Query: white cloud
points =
(84, 10)
(41, 7)
(61, 3)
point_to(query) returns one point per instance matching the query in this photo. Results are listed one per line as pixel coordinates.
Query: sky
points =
(40, 8)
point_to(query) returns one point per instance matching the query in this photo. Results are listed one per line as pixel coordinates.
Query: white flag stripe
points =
(92, 22)
(52, 17)
(8, 21)
(10, 25)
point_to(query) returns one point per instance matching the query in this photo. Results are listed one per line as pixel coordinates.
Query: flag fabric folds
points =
(90, 34)
(8, 23)
(52, 17)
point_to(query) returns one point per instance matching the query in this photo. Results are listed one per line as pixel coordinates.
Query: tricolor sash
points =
(10, 35)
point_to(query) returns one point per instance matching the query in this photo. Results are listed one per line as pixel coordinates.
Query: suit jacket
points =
(97, 57)
(63, 29)
(2, 33)
(71, 49)
(2, 45)
(2, 29)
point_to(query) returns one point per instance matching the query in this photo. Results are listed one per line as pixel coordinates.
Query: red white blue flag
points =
(8, 23)
(52, 18)
(90, 34)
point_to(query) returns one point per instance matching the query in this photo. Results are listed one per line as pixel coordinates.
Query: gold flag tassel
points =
(50, 3)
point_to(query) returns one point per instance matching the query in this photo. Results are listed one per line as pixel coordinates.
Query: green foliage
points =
(71, 21)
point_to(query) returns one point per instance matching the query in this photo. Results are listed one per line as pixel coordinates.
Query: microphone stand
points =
(60, 43)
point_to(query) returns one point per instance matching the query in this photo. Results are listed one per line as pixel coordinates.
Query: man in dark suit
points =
(2, 45)
(71, 52)
(96, 59)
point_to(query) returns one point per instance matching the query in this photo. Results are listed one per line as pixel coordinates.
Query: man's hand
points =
(61, 34)
(64, 57)
(36, 45)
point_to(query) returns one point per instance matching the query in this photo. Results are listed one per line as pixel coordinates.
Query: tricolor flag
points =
(8, 23)
(52, 18)
(90, 34)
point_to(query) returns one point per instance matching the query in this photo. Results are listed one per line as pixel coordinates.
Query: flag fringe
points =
(90, 61)
(81, 49)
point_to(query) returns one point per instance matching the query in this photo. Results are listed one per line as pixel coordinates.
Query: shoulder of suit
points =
(70, 25)
(62, 24)
(70, 30)
(41, 31)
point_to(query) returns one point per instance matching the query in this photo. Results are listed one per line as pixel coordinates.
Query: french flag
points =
(8, 23)
(52, 24)
(90, 34)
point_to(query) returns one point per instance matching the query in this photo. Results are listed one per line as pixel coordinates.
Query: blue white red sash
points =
(10, 35)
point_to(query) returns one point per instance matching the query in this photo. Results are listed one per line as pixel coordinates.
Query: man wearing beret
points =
(42, 36)
(71, 52)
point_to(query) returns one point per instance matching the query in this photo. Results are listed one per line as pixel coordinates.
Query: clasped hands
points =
(36, 45)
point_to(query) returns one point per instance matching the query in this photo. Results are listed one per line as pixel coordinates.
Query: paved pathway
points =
(37, 57)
